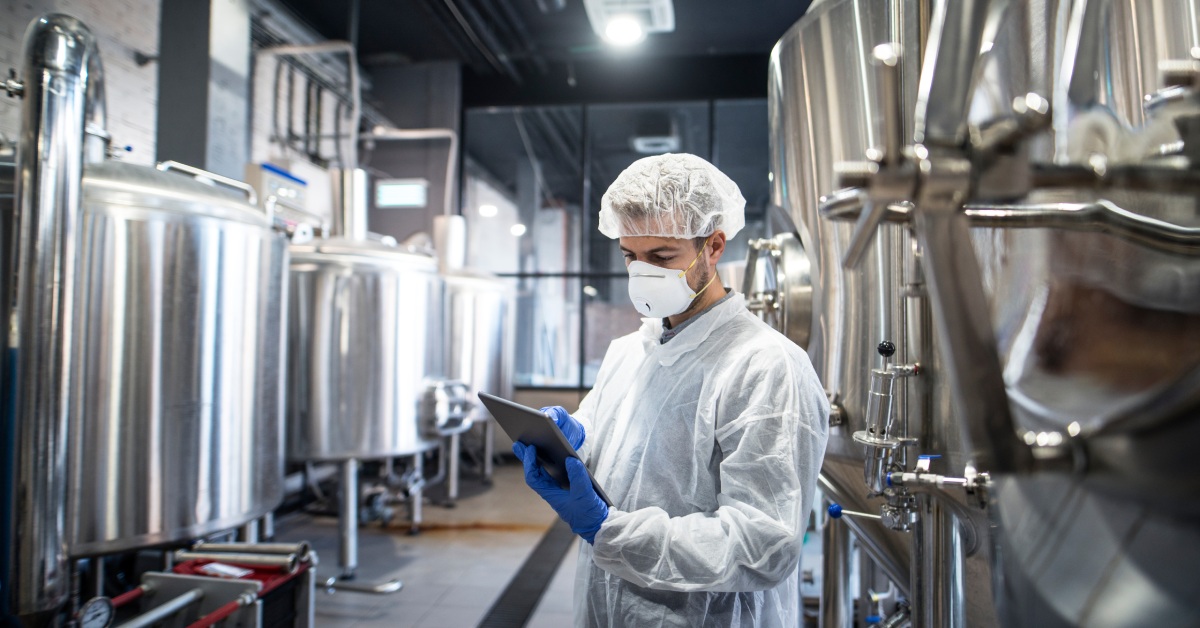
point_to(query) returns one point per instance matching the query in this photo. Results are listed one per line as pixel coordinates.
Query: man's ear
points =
(718, 247)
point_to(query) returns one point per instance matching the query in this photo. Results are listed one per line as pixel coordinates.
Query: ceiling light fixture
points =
(627, 22)
(624, 30)
(517, 230)
(487, 211)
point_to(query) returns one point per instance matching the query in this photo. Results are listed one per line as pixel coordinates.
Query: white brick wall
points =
(121, 27)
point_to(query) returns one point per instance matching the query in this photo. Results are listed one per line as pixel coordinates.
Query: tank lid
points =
(364, 249)
(114, 183)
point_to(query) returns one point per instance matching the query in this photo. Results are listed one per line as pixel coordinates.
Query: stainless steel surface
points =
(352, 196)
(251, 195)
(782, 296)
(963, 321)
(823, 110)
(952, 53)
(1074, 556)
(177, 402)
(217, 593)
(301, 549)
(1083, 333)
(365, 333)
(248, 532)
(285, 562)
(837, 601)
(60, 66)
(841, 480)
(348, 500)
(479, 335)
(453, 451)
(166, 609)
(1134, 288)
(939, 596)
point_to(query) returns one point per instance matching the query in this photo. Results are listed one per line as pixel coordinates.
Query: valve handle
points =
(835, 511)
(886, 349)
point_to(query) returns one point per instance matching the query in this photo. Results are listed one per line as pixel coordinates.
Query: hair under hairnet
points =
(672, 196)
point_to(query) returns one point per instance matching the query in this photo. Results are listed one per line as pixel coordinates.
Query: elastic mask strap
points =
(696, 294)
(712, 279)
(697, 258)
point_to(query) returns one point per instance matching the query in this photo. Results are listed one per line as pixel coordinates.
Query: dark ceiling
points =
(543, 51)
(539, 85)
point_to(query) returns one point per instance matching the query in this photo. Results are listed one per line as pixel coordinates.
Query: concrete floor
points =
(453, 571)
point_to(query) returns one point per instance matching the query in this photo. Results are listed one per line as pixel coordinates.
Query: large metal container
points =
(1092, 329)
(824, 107)
(365, 334)
(176, 406)
(479, 319)
(1095, 329)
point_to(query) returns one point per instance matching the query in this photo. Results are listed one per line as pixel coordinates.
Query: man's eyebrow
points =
(654, 251)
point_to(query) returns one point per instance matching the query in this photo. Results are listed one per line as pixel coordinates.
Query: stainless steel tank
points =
(365, 335)
(479, 335)
(1098, 331)
(1093, 291)
(176, 408)
(824, 108)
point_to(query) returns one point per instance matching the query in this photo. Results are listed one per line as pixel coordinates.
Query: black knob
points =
(886, 348)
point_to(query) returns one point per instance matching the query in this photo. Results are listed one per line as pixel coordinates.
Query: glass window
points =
(532, 184)
(522, 183)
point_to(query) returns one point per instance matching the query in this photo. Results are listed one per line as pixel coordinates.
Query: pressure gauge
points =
(97, 613)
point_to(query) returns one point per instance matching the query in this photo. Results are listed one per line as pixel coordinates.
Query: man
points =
(706, 428)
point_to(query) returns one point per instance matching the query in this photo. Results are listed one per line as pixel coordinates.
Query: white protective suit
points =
(709, 446)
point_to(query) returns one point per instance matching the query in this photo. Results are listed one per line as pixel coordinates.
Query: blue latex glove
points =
(570, 428)
(580, 506)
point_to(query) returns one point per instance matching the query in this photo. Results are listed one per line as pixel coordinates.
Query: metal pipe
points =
(416, 493)
(384, 133)
(248, 533)
(452, 454)
(286, 562)
(351, 192)
(963, 321)
(301, 549)
(352, 70)
(60, 68)
(837, 605)
(952, 50)
(938, 568)
(163, 611)
(902, 617)
(348, 521)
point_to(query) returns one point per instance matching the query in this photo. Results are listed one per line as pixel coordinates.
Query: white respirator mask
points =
(661, 292)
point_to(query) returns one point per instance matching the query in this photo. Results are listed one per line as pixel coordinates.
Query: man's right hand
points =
(570, 428)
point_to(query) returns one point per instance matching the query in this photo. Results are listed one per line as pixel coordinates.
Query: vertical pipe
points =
(452, 482)
(837, 604)
(60, 67)
(416, 493)
(348, 520)
(489, 448)
(248, 533)
(937, 565)
(268, 527)
(350, 216)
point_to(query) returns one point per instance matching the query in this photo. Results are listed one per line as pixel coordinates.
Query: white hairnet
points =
(672, 196)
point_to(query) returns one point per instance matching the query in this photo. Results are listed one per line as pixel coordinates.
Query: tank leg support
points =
(348, 520)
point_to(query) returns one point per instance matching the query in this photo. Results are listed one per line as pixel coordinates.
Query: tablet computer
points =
(532, 427)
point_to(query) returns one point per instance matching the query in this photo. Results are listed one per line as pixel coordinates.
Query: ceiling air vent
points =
(655, 133)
